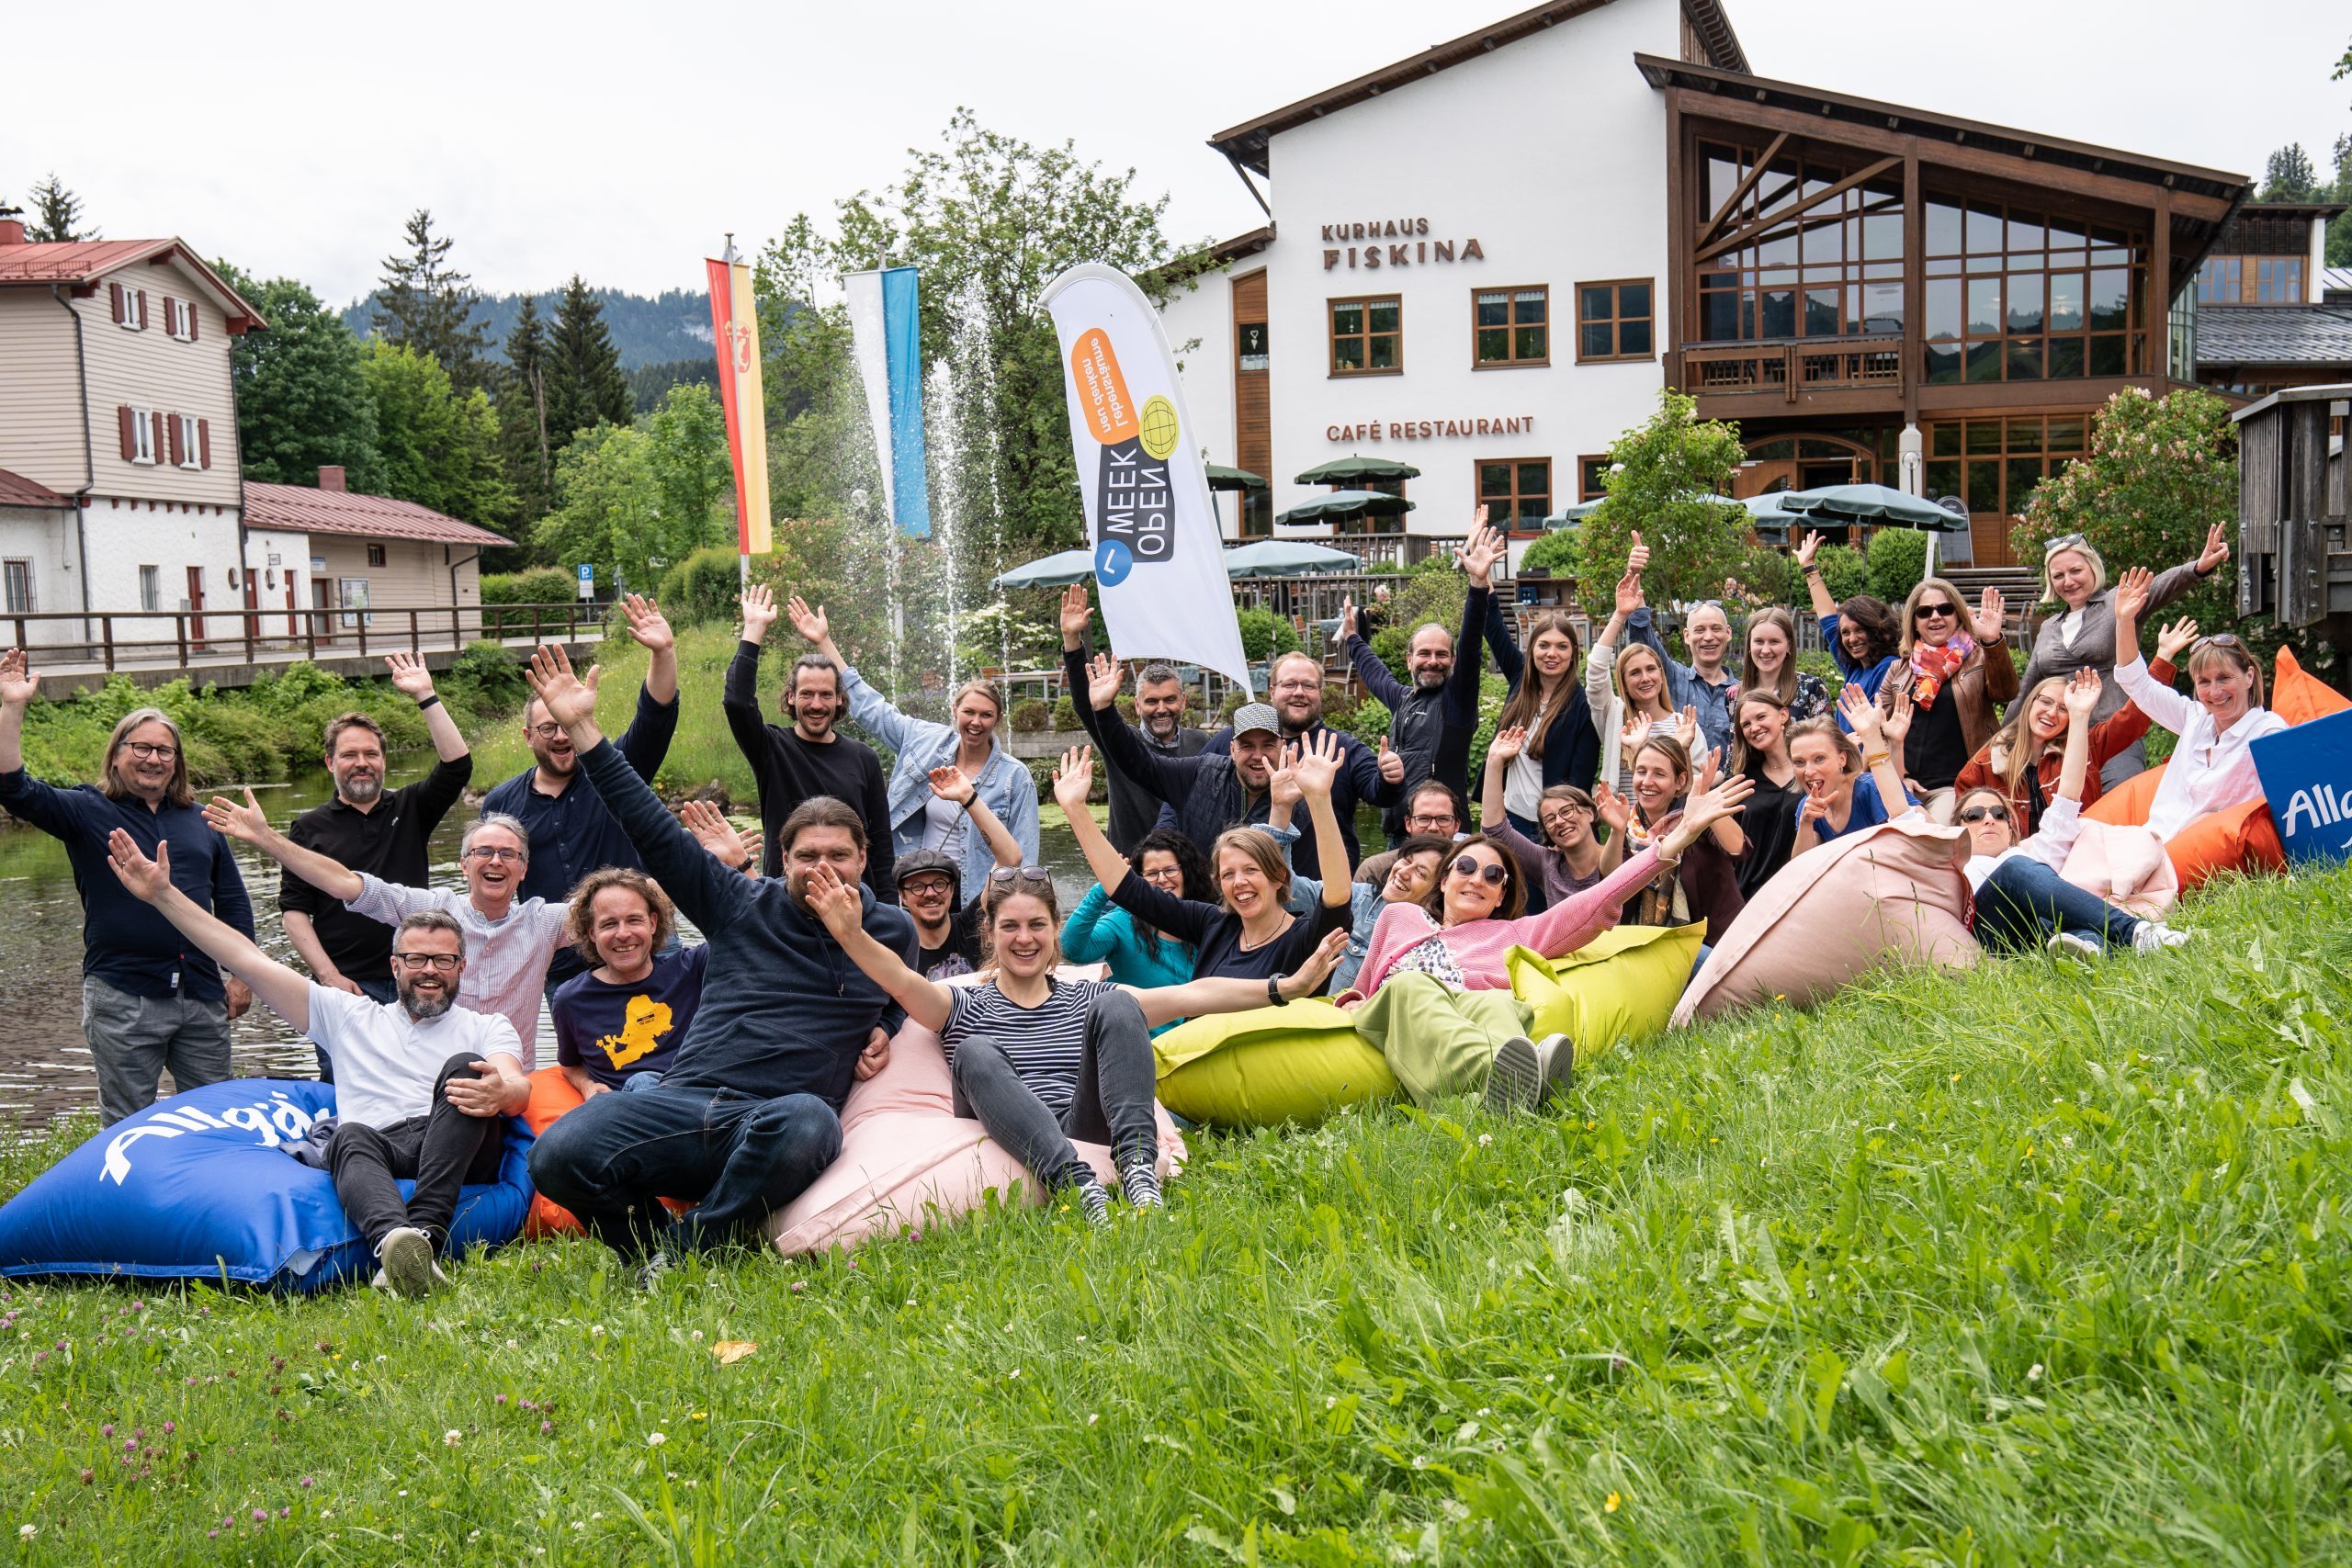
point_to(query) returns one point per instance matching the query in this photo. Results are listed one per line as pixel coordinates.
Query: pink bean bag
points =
(908, 1162)
(1895, 894)
(2127, 865)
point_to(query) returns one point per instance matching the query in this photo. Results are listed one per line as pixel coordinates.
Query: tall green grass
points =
(2042, 1264)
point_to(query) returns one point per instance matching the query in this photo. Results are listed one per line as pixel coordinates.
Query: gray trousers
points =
(1112, 1105)
(134, 1039)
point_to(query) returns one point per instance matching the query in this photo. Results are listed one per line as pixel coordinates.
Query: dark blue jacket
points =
(124, 941)
(1359, 781)
(1571, 748)
(1432, 731)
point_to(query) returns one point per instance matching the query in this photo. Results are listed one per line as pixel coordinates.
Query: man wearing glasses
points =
(149, 1001)
(571, 832)
(1294, 689)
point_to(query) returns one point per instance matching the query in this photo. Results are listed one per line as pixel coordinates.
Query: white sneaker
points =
(2155, 936)
(1527, 1074)
(409, 1269)
(2074, 944)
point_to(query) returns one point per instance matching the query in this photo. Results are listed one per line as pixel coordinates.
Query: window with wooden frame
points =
(375, 555)
(1592, 477)
(1368, 336)
(1614, 320)
(190, 445)
(2015, 294)
(142, 430)
(1797, 248)
(1993, 465)
(1510, 326)
(129, 306)
(1516, 491)
(19, 573)
(150, 587)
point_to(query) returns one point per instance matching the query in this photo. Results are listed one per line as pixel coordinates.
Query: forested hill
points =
(666, 327)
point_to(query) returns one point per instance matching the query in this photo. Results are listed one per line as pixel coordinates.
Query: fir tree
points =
(2289, 176)
(523, 415)
(424, 304)
(57, 215)
(585, 386)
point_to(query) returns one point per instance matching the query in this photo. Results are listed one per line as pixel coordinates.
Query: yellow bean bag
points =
(1621, 985)
(1269, 1067)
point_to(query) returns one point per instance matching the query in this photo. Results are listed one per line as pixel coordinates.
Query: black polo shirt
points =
(391, 841)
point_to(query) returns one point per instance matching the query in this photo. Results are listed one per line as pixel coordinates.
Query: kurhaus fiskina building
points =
(1485, 260)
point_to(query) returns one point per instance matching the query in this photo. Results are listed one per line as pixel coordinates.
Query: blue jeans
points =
(2023, 903)
(740, 1159)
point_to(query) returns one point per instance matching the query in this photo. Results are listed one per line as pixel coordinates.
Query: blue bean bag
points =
(199, 1187)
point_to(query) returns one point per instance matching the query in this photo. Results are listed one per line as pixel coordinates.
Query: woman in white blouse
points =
(2212, 765)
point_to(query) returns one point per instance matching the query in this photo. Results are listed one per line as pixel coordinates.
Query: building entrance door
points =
(196, 608)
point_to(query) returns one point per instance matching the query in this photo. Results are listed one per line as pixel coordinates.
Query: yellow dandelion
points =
(1613, 1504)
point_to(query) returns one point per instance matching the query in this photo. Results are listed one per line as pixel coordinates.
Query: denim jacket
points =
(921, 745)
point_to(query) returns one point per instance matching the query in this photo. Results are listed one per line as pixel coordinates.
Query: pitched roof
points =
(84, 262)
(2274, 334)
(313, 511)
(1244, 144)
(17, 491)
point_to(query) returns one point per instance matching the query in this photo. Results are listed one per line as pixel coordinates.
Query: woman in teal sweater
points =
(1099, 930)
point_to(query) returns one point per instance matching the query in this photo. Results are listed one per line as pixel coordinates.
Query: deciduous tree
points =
(1665, 482)
(303, 397)
(439, 445)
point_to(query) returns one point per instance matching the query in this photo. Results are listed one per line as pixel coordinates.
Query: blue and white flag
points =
(887, 339)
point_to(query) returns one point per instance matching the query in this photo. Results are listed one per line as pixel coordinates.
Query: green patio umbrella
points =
(1872, 504)
(1341, 503)
(1223, 477)
(1354, 469)
(1056, 571)
(1763, 509)
(1287, 558)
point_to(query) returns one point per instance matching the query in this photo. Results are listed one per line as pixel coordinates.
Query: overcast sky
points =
(621, 140)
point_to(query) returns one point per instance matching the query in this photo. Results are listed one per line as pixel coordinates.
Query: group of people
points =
(1622, 786)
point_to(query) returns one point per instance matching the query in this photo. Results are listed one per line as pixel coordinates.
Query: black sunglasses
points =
(1978, 813)
(1488, 871)
(1937, 610)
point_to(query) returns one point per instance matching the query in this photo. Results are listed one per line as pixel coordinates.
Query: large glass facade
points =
(1833, 269)
(1995, 465)
(2018, 294)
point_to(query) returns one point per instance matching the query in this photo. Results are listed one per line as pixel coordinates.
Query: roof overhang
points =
(83, 264)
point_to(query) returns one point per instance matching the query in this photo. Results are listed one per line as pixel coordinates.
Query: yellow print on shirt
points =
(645, 1021)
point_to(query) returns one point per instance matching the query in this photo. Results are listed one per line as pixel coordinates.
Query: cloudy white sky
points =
(619, 141)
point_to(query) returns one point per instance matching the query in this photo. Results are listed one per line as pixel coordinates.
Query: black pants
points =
(1112, 1105)
(441, 1151)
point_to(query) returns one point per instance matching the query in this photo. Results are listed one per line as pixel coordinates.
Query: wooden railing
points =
(145, 638)
(1792, 366)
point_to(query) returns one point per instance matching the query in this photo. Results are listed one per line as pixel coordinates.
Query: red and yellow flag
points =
(735, 326)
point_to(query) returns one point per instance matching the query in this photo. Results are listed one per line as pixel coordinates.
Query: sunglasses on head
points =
(1978, 813)
(2063, 542)
(1488, 871)
(2221, 640)
(1006, 876)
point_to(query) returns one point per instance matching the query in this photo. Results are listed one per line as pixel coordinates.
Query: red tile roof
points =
(313, 511)
(17, 491)
(85, 261)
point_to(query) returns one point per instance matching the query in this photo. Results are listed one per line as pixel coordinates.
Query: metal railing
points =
(1376, 549)
(1792, 366)
(144, 639)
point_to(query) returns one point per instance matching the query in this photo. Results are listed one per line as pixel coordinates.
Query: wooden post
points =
(179, 624)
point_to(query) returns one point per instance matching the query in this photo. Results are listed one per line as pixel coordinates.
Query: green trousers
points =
(1439, 1040)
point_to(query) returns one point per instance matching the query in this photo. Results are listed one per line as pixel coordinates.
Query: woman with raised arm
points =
(2081, 635)
(2212, 765)
(1955, 680)
(1762, 758)
(1771, 666)
(1547, 702)
(1038, 1059)
(2021, 899)
(1137, 954)
(1851, 781)
(1248, 934)
(1861, 633)
(1625, 687)
(1569, 858)
(1705, 884)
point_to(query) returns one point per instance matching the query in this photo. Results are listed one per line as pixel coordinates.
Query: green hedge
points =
(1843, 571)
(706, 586)
(1897, 560)
(540, 585)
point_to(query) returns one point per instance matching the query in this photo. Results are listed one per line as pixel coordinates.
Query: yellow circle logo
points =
(1159, 423)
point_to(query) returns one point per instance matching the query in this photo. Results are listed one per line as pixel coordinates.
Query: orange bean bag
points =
(552, 1096)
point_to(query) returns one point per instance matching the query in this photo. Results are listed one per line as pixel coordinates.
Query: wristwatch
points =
(1275, 996)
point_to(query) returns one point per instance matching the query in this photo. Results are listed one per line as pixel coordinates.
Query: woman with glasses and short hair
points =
(2081, 635)
(1957, 669)
(2211, 766)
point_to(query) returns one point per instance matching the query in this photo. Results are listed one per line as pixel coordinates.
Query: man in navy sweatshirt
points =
(748, 1115)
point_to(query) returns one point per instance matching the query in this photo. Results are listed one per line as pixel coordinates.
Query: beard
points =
(422, 1008)
(1162, 727)
(360, 791)
(1431, 680)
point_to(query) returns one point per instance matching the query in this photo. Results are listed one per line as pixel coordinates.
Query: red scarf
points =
(1931, 667)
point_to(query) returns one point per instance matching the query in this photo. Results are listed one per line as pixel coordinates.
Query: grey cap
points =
(1257, 715)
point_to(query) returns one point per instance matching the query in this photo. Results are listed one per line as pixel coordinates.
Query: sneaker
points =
(1139, 1183)
(2074, 944)
(650, 1271)
(1096, 1202)
(2155, 936)
(1527, 1073)
(406, 1254)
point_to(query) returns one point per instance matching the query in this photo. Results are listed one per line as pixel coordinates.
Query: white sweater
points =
(2062, 824)
(2208, 771)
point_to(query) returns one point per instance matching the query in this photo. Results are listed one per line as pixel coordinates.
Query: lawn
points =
(2039, 1265)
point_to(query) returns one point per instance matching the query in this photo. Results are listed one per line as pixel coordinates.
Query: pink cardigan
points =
(1478, 947)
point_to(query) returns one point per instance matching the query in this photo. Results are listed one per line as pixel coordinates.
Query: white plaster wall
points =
(44, 537)
(1199, 324)
(126, 535)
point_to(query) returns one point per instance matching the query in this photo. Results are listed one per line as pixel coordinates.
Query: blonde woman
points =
(1626, 687)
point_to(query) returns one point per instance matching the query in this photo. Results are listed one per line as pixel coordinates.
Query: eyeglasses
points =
(925, 887)
(500, 852)
(1978, 813)
(1938, 611)
(166, 754)
(545, 731)
(1488, 871)
(2219, 639)
(1296, 687)
(439, 963)
(1007, 875)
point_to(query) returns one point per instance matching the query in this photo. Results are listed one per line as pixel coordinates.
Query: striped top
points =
(1045, 1043)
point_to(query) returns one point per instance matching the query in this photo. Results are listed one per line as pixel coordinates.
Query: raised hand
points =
(1318, 764)
(569, 699)
(2173, 640)
(647, 624)
(1861, 714)
(950, 784)
(714, 832)
(1895, 725)
(812, 625)
(1702, 812)
(247, 824)
(2217, 549)
(1711, 767)
(1610, 807)
(1636, 730)
(832, 900)
(1685, 729)
(1638, 560)
(758, 611)
(2083, 694)
(1282, 788)
(145, 880)
(1076, 616)
(1991, 611)
(1392, 763)
(2132, 593)
(1806, 547)
(409, 677)
(1308, 978)
(1347, 618)
(1629, 592)
(19, 685)
(1103, 679)
(1478, 555)
(1508, 743)
(1074, 780)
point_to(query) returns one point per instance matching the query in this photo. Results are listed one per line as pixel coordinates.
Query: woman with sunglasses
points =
(1862, 634)
(1099, 932)
(1761, 757)
(1771, 665)
(2021, 899)
(1957, 669)
(1569, 859)
(1250, 934)
(2211, 766)
(1039, 1060)
(2022, 761)
(1851, 781)
(2081, 635)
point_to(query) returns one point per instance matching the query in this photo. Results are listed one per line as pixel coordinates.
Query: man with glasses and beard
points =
(148, 1003)
(424, 1086)
(569, 828)
(812, 757)
(1295, 688)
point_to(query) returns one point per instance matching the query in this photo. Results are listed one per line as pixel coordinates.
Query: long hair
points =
(1911, 612)
(579, 913)
(1259, 847)
(1617, 677)
(1518, 712)
(177, 793)
(2019, 751)
(1881, 635)
(1192, 869)
(1745, 757)
(1514, 898)
(1784, 684)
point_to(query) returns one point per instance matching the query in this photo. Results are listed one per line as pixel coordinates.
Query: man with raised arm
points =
(1295, 690)
(812, 757)
(424, 1087)
(569, 830)
(747, 1113)
(149, 1001)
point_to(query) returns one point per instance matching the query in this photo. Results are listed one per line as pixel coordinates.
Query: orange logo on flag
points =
(1103, 390)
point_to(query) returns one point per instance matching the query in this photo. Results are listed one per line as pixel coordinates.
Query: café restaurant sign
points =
(1431, 429)
(1392, 242)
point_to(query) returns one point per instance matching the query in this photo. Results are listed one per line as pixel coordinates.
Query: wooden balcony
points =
(1786, 374)
(1400, 550)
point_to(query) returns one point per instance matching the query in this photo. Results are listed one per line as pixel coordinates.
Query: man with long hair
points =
(150, 1001)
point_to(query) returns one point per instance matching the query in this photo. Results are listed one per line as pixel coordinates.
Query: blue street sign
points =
(2305, 776)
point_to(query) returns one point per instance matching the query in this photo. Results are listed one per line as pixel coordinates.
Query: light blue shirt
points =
(921, 745)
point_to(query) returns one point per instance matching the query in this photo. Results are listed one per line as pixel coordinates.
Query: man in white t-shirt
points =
(422, 1086)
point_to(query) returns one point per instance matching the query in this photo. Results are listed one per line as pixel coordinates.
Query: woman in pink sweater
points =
(1433, 993)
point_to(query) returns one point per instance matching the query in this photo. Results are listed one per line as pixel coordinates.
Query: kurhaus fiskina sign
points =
(1392, 242)
(1431, 429)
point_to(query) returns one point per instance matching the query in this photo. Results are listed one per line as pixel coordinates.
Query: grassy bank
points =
(2041, 1264)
